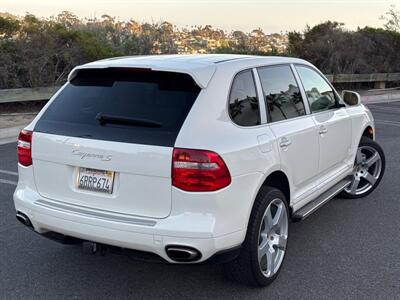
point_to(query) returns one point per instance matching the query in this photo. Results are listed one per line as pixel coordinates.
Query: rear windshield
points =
(122, 105)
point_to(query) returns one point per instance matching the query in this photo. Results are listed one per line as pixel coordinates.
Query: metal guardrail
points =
(45, 93)
(379, 79)
(27, 94)
(352, 78)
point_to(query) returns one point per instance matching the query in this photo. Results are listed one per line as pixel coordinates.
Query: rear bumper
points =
(149, 235)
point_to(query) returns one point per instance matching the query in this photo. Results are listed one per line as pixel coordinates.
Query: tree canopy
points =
(41, 52)
(336, 50)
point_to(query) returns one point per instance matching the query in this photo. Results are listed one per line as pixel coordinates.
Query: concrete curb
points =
(380, 98)
(8, 141)
(11, 132)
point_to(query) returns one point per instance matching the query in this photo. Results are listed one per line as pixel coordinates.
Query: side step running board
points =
(311, 207)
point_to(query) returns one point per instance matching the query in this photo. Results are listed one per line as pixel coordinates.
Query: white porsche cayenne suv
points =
(194, 158)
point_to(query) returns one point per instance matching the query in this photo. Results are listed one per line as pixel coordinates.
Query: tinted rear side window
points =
(243, 102)
(163, 98)
(282, 95)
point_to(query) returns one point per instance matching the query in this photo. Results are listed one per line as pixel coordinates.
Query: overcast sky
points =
(270, 15)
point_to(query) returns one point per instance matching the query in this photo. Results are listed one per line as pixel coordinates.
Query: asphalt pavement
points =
(347, 249)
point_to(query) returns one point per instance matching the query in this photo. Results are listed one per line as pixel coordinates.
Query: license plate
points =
(95, 180)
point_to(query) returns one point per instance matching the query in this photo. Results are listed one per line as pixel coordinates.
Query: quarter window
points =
(243, 102)
(281, 93)
(320, 95)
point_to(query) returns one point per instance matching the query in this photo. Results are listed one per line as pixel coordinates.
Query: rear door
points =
(106, 141)
(333, 122)
(294, 130)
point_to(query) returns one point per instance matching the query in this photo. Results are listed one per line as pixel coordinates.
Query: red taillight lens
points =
(24, 148)
(199, 170)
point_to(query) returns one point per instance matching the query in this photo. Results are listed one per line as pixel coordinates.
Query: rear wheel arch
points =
(279, 180)
(276, 179)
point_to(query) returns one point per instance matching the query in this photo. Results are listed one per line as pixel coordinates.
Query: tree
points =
(41, 52)
(334, 49)
(392, 19)
(68, 19)
(295, 47)
(9, 26)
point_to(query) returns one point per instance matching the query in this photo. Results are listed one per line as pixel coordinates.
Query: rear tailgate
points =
(142, 181)
(135, 157)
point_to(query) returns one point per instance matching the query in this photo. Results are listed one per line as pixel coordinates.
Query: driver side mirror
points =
(351, 98)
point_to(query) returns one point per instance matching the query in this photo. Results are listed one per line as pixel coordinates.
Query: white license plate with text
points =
(95, 180)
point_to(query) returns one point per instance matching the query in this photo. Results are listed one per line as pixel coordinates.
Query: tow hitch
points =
(93, 248)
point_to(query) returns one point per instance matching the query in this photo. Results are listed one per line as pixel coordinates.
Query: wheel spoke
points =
(370, 178)
(373, 159)
(262, 250)
(277, 220)
(263, 236)
(268, 220)
(282, 240)
(271, 254)
(354, 184)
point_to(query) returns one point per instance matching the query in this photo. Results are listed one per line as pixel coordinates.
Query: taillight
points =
(199, 170)
(24, 148)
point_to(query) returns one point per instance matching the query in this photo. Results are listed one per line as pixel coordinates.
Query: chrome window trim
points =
(260, 93)
(302, 90)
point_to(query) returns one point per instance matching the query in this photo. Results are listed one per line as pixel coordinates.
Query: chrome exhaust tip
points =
(183, 253)
(24, 219)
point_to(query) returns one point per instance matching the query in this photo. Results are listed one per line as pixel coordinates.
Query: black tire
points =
(365, 141)
(245, 268)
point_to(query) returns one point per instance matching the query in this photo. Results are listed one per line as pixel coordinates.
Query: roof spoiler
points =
(201, 75)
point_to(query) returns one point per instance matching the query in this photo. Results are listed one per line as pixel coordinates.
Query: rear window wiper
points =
(113, 119)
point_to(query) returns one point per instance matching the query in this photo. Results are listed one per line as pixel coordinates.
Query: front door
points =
(332, 121)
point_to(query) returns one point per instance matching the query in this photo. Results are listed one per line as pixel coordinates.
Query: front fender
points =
(361, 118)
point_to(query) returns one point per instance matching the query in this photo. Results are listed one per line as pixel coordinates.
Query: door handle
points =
(323, 130)
(285, 143)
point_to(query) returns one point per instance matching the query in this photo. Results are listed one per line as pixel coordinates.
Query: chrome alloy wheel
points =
(273, 236)
(367, 169)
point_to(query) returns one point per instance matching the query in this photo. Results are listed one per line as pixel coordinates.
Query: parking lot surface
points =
(347, 249)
